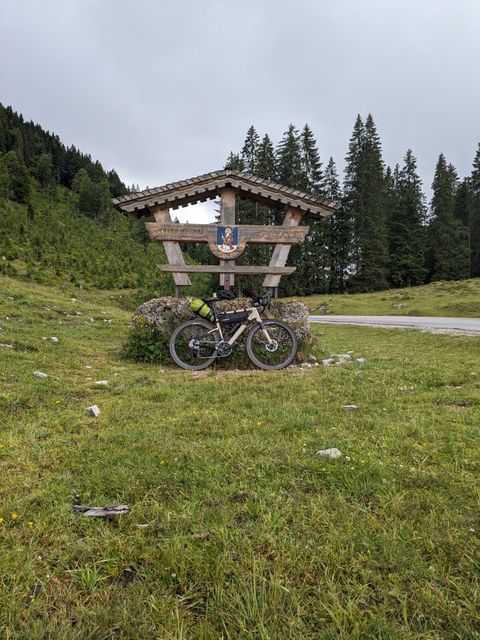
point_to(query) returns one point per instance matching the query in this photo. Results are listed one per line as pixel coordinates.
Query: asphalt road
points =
(469, 326)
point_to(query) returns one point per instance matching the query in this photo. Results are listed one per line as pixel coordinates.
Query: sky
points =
(163, 90)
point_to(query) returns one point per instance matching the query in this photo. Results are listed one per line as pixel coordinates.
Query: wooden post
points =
(227, 218)
(172, 249)
(281, 251)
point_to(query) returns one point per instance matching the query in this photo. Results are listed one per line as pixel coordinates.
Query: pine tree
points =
(265, 163)
(448, 237)
(314, 252)
(351, 204)
(249, 150)
(312, 167)
(474, 217)
(364, 203)
(290, 173)
(14, 178)
(406, 227)
(234, 162)
(338, 233)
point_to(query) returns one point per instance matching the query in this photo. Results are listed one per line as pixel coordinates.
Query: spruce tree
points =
(249, 150)
(351, 205)
(312, 167)
(407, 227)
(291, 173)
(474, 217)
(290, 170)
(314, 252)
(234, 162)
(265, 163)
(338, 233)
(448, 237)
(364, 202)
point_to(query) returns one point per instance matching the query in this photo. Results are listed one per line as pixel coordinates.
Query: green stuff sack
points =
(201, 308)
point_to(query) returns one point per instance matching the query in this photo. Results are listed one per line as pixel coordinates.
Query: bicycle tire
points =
(289, 349)
(178, 351)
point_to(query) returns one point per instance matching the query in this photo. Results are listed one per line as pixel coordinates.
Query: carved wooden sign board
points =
(226, 240)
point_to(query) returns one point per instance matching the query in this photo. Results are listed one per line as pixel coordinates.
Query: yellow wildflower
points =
(30, 525)
(1, 520)
(14, 516)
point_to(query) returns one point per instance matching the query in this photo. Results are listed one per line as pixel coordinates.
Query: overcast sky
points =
(164, 90)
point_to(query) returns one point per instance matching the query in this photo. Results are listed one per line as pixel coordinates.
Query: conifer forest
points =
(57, 221)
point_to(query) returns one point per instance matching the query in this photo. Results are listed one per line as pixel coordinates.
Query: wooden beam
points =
(172, 249)
(225, 269)
(228, 198)
(281, 251)
(255, 233)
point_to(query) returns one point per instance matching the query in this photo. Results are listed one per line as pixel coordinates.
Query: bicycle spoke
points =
(194, 345)
(273, 347)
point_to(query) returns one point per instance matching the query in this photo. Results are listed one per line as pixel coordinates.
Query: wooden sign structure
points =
(227, 240)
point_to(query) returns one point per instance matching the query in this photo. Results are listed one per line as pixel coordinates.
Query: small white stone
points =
(54, 339)
(40, 374)
(352, 407)
(327, 362)
(73, 299)
(329, 453)
(93, 411)
(101, 383)
(6, 346)
(87, 366)
(361, 360)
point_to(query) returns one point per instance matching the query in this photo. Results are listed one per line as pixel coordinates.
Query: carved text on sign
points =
(208, 233)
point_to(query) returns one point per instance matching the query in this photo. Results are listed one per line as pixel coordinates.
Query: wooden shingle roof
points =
(209, 185)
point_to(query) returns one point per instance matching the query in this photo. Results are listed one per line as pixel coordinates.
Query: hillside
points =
(57, 223)
(234, 524)
(449, 299)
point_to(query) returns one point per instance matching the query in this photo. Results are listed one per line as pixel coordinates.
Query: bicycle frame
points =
(253, 315)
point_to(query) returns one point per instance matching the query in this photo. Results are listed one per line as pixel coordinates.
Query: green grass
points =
(249, 534)
(451, 299)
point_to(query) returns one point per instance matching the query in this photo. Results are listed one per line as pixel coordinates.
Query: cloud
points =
(165, 90)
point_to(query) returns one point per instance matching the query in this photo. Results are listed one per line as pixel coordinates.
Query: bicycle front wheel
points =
(271, 346)
(193, 345)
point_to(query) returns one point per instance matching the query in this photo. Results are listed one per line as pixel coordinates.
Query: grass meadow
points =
(236, 530)
(459, 299)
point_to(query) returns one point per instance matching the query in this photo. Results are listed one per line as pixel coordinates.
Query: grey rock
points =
(168, 312)
(328, 362)
(101, 383)
(93, 411)
(40, 374)
(329, 453)
(360, 360)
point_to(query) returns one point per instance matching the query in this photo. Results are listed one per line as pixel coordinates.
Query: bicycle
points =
(196, 344)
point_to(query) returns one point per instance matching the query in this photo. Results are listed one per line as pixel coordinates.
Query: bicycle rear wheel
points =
(277, 353)
(193, 345)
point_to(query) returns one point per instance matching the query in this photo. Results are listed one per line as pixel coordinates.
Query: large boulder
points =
(154, 321)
